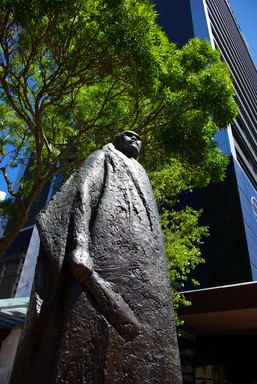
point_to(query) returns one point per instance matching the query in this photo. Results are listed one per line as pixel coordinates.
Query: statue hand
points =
(113, 307)
(80, 265)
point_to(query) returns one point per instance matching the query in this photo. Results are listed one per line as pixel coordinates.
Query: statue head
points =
(129, 143)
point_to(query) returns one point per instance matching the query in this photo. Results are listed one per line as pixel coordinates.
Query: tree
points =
(74, 73)
(181, 231)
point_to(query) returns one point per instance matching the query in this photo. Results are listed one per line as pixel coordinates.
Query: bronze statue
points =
(101, 311)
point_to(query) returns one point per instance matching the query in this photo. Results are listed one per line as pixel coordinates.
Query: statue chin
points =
(132, 152)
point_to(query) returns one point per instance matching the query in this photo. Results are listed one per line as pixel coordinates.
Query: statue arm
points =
(111, 304)
(90, 183)
(113, 307)
(80, 265)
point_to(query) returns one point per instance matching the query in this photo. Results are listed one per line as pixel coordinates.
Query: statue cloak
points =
(120, 327)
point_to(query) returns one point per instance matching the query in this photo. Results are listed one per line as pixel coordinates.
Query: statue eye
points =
(132, 134)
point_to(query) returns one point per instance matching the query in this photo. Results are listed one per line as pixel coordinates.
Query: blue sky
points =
(245, 12)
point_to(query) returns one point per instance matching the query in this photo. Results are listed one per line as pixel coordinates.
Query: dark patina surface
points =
(101, 310)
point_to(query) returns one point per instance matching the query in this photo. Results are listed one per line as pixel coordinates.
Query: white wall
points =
(28, 270)
(7, 355)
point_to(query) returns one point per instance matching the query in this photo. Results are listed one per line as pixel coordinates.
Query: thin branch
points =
(8, 181)
(19, 112)
(48, 176)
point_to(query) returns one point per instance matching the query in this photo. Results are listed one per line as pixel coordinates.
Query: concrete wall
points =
(7, 355)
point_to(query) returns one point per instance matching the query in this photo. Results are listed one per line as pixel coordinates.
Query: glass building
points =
(214, 20)
(220, 332)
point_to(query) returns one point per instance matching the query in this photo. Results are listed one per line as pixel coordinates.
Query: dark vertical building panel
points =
(225, 250)
(231, 250)
(12, 263)
(175, 16)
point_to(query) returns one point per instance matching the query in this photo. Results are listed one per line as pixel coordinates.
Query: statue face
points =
(129, 143)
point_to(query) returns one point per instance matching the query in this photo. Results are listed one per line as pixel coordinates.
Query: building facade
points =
(220, 332)
(214, 20)
(17, 270)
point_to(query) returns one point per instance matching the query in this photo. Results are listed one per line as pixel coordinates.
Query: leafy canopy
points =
(75, 73)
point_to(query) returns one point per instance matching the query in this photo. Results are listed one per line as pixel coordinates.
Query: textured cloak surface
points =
(108, 208)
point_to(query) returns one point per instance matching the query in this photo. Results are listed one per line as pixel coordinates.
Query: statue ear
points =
(116, 141)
